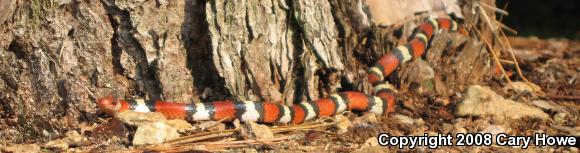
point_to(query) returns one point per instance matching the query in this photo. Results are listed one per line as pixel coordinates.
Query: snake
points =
(381, 102)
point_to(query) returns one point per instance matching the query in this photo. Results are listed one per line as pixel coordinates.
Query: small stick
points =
(510, 50)
(515, 60)
(194, 139)
(218, 145)
(566, 129)
(505, 27)
(103, 121)
(502, 44)
(218, 134)
(507, 61)
(568, 97)
(253, 141)
(300, 127)
(513, 56)
(201, 136)
(492, 51)
(498, 10)
(486, 18)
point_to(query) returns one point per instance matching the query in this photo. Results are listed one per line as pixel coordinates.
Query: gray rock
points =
(180, 125)
(256, 131)
(482, 101)
(140, 118)
(31, 148)
(408, 120)
(64, 143)
(154, 133)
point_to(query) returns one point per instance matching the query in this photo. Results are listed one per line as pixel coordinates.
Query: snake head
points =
(110, 105)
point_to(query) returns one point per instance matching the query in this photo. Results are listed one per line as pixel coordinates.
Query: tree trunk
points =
(58, 58)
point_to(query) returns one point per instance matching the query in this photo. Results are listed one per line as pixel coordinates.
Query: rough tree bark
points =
(57, 58)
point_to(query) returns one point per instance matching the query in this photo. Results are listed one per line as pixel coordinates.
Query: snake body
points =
(381, 101)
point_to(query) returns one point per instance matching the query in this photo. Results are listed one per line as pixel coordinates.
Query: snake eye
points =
(115, 102)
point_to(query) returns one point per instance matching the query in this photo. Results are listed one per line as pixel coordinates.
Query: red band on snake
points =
(381, 102)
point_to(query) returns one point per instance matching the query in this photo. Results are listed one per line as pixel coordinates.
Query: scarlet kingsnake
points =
(266, 112)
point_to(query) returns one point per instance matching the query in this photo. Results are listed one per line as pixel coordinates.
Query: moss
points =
(39, 10)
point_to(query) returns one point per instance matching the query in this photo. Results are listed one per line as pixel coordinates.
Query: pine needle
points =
(194, 141)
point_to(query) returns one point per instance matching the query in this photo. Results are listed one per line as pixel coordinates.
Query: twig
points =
(563, 97)
(505, 27)
(256, 141)
(192, 145)
(566, 129)
(170, 149)
(90, 92)
(507, 61)
(300, 127)
(492, 51)
(218, 134)
(498, 10)
(103, 121)
(486, 18)
(513, 56)
(504, 8)
(510, 50)
(201, 136)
